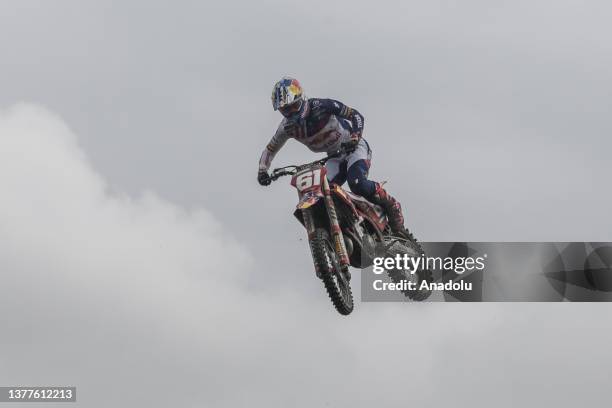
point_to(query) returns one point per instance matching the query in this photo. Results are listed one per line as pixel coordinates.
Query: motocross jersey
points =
(323, 127)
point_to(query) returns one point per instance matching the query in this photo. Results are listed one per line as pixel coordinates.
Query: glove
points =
(264, 178)
(351, 145)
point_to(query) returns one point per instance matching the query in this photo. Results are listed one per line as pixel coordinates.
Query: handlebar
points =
(294, 169)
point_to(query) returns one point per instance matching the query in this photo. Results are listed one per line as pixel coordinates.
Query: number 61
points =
(308, 179)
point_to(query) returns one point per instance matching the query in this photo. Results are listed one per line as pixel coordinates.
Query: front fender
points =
(308, 200)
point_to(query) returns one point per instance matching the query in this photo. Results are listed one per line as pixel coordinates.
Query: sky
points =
(143, 263)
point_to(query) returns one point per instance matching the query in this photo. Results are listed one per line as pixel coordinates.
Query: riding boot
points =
(393, 209)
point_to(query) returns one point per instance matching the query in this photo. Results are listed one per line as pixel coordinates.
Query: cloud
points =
(139, 302)
(125, 296)
(93, 279)
(130, 296)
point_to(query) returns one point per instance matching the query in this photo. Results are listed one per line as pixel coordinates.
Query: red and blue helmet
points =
(288, 97)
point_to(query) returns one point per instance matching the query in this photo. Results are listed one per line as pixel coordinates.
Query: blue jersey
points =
(324, 126)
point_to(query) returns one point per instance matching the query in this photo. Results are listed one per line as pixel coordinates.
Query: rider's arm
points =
(276, 143)
(341, 110)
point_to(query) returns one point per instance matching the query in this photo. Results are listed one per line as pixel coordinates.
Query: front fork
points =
(336, 231)
(310, 228)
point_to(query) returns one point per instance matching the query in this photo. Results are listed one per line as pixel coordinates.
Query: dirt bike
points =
(345, 230)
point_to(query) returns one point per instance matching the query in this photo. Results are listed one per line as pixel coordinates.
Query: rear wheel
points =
(395, 246)
(328, 268)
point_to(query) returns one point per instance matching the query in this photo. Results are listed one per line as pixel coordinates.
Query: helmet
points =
(288, 98)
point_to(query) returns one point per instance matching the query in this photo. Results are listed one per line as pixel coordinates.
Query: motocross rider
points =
(326, 125)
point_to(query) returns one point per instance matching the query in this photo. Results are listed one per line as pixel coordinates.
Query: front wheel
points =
(327, 265)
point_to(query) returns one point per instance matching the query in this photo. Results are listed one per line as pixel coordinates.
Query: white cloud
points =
(85, 268)
(100, 289)
(139, 302)
(104, 290)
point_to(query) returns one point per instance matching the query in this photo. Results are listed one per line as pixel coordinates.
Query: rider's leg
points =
(358, 164)
(373, 192)
(336, 170)
(393, 209)
(357, 175)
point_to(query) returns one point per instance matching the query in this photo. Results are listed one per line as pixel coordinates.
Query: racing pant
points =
(354, 167)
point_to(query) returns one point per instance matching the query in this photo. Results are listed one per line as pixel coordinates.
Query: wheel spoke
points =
(335, 282)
